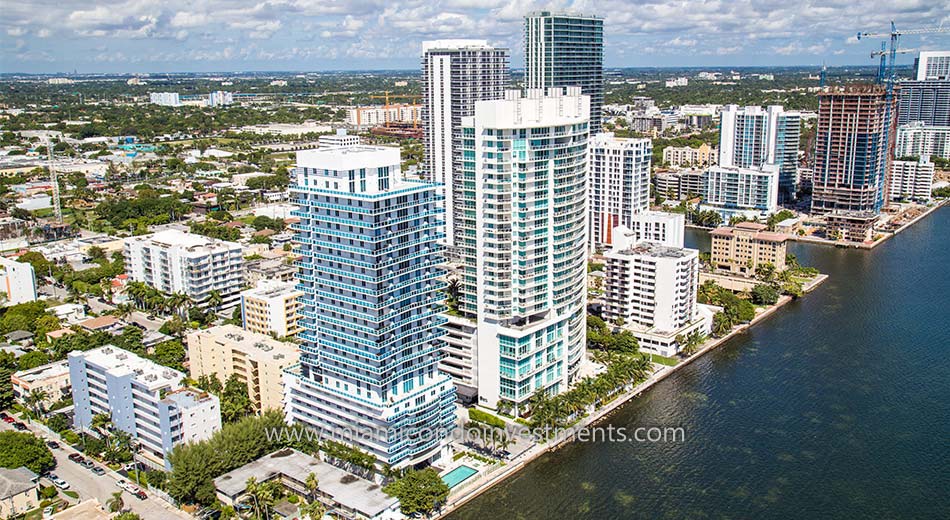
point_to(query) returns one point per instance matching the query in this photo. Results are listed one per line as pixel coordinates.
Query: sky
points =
(49, 36)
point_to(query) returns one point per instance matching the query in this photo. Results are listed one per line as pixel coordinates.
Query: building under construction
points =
(854, 145)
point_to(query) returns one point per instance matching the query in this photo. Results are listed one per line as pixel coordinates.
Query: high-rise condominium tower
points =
(853, 141)
(619, 184)
(566, 50)
(524, 217)
(372, 296)
(456, 74)
(751, 137)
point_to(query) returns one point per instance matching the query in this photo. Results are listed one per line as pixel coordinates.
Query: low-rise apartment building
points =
(911, 180)
(705, 155)
(17, 282)
(144, 399)
(52, 378)
(853, 226)
(743, 248)
(17, 491)
(271, 308)
(257, 359)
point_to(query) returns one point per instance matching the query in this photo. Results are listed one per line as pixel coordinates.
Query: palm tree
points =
(313, 510)
(312, 484)
(115, 504)
(214, 300)
(123, 311)
(35, 400)
(102, 422)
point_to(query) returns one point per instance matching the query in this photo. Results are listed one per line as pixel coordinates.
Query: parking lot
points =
(89, 485)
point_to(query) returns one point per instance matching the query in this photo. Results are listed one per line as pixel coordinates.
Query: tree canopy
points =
(24, 449)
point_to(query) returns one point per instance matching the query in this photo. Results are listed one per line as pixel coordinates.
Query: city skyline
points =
(299, 35)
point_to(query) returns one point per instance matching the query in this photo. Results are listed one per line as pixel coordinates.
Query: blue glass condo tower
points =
(369, 269)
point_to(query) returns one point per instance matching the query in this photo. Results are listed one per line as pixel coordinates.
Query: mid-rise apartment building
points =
(524, 223)
(753, 137)
(271, 308)
(680, 184)
(456, 74)
(745, 192)
(370, 271)
(656, 226)
(144, 399)
(741, 249)
(919, 140)
(911, 180)
(932, 65)
(17, 282)
(651, 290)
(854, 138)
(567, 50)
(256, 359)
(703, 156)
(853, 226)
(173, 261)
(619, 184)
(168, 99)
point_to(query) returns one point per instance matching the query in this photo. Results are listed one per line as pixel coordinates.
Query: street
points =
(89, 485)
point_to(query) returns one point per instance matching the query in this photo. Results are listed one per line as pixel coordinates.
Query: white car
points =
(47, 511)
(58, 482)
(128, 486)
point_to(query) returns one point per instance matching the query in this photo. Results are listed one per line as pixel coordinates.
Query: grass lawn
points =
(663, 360)
(71, 494)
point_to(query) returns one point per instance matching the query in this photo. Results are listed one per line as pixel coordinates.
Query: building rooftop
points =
(188, 398)
(16, 481)
(272, 289)
(179, 238)
(122, 362)
(349, 157)
(754, 227)
(350, 491)
(657, 250)
(256, 346)
(99, 323)
(85, 510)
(54, 369)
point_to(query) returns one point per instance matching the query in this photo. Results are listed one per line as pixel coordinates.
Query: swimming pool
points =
(458, 475)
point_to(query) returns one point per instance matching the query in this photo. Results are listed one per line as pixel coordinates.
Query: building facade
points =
(753, 137)
(456, 74)
(932, 65)
(168, 99)
(144, 399)
(17, 281)
(854, 138)
(703, 156)
(746, 246)
(911, 180)
(567, 50)
(852, 226)
(271, 308)
(51, 378)
(372, 335)
(680, 184)
(256, 359)
(619, 184)
(657, 227)
(173, 261)
(919, 140)
(524, 260)
(927, 101)
(746, 192)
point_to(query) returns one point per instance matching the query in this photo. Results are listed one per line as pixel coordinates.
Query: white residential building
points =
(456, 74)
(619, 184)
(17, 281)
(919, 140)
(340, 138)
(652, 289)
(677, 82)
(167, 99)
(365, 117)
(524, 219)
(174, 261)
(220, 98)
(142, 398)
(752, 137)
(911, 180)
(747, 192)
(272, 308)
(932, 65)
(656, 226)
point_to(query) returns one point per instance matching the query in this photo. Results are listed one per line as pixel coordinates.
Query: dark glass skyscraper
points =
(566, 50)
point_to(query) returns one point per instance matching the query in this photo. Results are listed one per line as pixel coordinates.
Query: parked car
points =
(53, 445)
(19, 426)
(88, 464)
(3, 416)
(58, 482)
(140, 495)
(9, 420)
(48, 511)
(98, 471)
(128, 486)
(75, 457)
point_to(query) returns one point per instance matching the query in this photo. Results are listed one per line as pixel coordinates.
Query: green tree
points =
(419, 491)
(33, 359)
(115, 504)
(764, 294)
(24, 449)
(235, 403)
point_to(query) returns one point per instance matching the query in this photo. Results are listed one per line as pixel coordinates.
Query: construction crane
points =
(386, 96)
(883, 54)
(895, 36)
(54, 180)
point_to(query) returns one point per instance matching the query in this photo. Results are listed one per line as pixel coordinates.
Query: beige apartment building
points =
(271, 308)
(52, 378)
(705, 155)
(17, 491)
(744, 247)
(257, 359)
